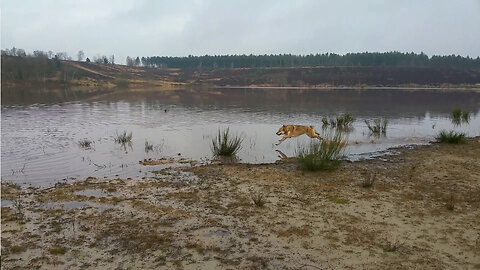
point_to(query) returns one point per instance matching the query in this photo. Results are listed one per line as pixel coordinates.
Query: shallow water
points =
(40, 141)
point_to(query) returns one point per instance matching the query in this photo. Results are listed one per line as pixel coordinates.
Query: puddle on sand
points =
(6, 203)
(75, 205)
(97, 193)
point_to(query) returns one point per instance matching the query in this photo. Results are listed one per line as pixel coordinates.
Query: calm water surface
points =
(40, 141)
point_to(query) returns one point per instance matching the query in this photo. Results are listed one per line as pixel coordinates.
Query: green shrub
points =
(322, 155)
(452, 137)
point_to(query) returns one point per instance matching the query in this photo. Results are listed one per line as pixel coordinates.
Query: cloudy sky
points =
(198, 27)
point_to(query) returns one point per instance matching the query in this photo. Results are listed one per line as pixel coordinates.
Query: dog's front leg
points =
(283, 139)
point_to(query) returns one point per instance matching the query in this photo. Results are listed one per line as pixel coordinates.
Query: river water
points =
(40, 140)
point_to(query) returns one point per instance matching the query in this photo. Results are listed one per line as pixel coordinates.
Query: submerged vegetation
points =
(85, 143)
(377, 127)
(226, 144)
(344, 121)
(148, 146)
(124, 138)
(459, 116)
(322, 155)
(452, 137)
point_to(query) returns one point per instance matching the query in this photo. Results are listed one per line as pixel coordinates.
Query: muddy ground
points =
(422, 211)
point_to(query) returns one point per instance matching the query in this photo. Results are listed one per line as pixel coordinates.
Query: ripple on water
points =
(45, 138)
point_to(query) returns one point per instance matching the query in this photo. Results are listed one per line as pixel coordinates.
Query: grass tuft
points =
(58, 250)
(459, 116)
(450, 204)
(452, 137)
(85, 143)
(225, 144)
(344, 121)
(324, 155)
(378, 126)
(369, 180)
(148, 146)
(391, 246)
(124, 138)
(258, 199)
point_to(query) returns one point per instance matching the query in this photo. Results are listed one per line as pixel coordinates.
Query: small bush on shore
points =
(322, 155)
(225, 144)
(452, 137)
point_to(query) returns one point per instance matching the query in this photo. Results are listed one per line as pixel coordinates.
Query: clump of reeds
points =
(148, 146)
(124, 138)
(378, 126)
(85, 143)
(452, 137)
(341, 122)
(322, 155)
(226, 144)
(459, 116)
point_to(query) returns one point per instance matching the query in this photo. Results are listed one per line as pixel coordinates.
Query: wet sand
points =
(422, 211)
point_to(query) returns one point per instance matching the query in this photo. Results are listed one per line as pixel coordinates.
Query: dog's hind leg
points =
(314, 134)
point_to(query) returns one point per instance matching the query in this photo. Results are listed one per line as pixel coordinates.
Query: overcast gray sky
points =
(198, 27)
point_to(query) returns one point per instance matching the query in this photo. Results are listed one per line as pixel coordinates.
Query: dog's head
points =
(282, 130)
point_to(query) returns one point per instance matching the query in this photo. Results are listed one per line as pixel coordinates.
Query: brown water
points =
(40, 141)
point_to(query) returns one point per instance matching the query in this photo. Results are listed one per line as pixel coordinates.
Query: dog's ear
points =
(283, 126)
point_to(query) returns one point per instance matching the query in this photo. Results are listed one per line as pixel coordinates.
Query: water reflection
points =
(40, 141)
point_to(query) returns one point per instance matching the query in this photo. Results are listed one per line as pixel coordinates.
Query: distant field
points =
(47, 73)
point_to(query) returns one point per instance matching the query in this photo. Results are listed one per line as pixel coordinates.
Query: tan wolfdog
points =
(290, 131)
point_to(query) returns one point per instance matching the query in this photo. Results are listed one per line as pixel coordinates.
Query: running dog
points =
(291, 131)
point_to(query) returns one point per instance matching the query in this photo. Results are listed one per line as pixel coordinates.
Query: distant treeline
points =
(17, 65)
(395, 59)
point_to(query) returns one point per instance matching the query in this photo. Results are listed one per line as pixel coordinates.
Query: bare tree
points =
(112, 59)
(80, 55)
(61, 56)
(130, 61)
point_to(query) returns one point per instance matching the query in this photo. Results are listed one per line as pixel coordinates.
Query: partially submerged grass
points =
(341, 122)
(225, 144)
(378, 126)
(148, 146)
(85, 143)
(452, 137)
(124, 138)
(459, 116)
(324, 155)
